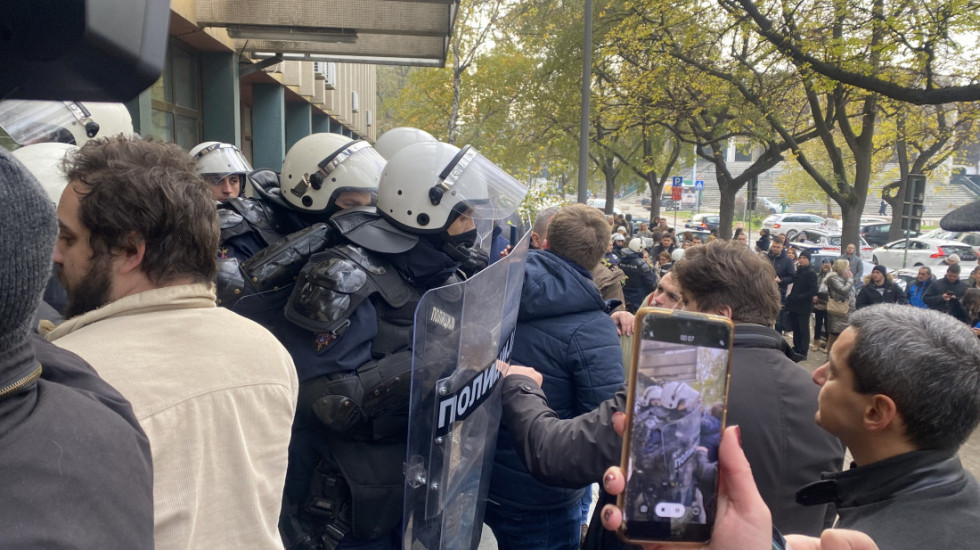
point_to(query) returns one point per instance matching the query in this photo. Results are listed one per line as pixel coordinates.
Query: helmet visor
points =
(361, 163)
(31, 121)
(482, 185)
(220, 160)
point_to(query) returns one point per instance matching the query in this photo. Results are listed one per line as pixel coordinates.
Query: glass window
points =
(185, 71)
(175, 98)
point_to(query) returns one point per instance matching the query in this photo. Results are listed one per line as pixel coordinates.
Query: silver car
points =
(922, 251)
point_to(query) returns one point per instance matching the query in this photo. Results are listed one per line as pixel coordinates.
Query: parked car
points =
(762, 204)
(791, 224)
(826, 242)
(691, 233)
(601, 205)
(971, 238)
(704, 221)
(922, 251)
(876, 233)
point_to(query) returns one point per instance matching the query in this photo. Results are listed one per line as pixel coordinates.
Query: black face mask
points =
(467, 239)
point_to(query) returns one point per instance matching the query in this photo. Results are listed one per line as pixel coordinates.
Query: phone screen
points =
(678, 395)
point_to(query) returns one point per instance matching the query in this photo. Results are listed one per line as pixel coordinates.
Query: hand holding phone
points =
(744, 522)
(675, 414)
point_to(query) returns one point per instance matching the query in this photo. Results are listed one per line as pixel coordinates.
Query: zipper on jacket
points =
(20, 384)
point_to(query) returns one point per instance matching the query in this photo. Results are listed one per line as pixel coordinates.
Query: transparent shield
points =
(463, 337)
(487, 188)
(31, 121)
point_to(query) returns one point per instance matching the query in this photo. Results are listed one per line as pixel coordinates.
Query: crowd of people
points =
(206, 369)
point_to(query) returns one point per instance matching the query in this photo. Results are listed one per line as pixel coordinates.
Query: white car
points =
(791, 224)
(971, 238)
(825, 242)
(767, 205)
(922, 252)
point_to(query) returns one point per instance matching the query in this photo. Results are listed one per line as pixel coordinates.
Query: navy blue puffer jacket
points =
(564, 333)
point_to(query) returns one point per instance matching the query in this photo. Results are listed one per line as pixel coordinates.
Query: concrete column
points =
(268, 126)
(298, 122)
(320, 123)
(222, 97)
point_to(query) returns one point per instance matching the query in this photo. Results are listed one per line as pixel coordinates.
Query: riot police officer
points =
(223, 166)
(72, 122)
(321, 175)
(396, 139)
(354, 307)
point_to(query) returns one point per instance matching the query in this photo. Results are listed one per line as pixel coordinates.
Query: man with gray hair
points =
(901, 389)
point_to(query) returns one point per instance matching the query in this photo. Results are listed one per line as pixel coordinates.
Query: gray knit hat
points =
(28, 226)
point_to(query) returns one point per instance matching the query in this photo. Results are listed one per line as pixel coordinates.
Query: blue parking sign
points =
(699, 184)
(678, 181)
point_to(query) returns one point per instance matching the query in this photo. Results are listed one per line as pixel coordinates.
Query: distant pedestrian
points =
(762, 245)
(840, 288)
(882, 208)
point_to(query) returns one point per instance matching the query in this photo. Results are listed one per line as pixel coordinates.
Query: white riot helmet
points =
(319, 166)
(426, 186)
(652, 392)
(74, 122)
(44, 162)
(215, 161)
(396, 139)
(676, 392)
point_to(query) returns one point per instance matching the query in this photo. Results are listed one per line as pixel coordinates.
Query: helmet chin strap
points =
(459, 247)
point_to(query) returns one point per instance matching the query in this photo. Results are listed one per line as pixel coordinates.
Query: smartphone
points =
(675, 416)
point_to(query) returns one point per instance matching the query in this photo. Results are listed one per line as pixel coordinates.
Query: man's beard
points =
(91, 292)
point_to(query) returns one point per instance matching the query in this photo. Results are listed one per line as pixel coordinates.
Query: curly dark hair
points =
(134, 190)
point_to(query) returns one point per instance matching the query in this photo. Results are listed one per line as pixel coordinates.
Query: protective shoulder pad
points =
(265, 183)
(229, 282)
(363, 226)
(231, 223)
(336, 281)
(278, 264)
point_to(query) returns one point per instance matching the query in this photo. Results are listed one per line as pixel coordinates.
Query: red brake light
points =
(939, 253)
(775, 226)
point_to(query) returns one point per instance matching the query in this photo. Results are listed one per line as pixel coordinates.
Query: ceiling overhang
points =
(388, 32)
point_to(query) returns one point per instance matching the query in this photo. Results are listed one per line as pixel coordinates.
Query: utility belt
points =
(359, 489)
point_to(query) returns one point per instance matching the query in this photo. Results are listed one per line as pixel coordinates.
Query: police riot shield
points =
(666, 470)
(463, 338)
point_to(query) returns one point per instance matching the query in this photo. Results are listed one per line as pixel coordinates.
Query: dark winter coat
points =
(771, 398)
(785, 270)
(75, 466)
(885, 293)
(934, 294)
(640, 279)
(564, 333)
(800, 299)
(921, 499)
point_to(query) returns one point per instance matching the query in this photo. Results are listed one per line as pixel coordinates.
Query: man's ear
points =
(724, 311)
(544, 244)
(132, 255)
(880, 413)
